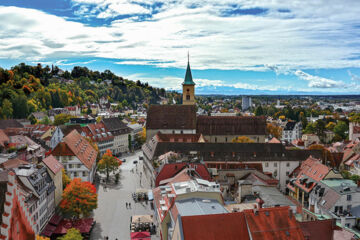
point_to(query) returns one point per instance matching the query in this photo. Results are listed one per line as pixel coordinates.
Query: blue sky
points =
(236, 47)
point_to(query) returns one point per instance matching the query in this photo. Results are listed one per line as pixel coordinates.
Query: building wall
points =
(56, 138)
(292, 135)
(76, 169)
(229, 138)
(57, 178)
(152, 132)
(121, 144)
(280, 170)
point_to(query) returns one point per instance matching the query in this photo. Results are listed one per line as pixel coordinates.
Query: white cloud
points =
(354, 77)
(319, 82)
(317, 34)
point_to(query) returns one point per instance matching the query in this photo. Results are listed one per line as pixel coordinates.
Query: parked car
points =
(135, 162)
(124, 160)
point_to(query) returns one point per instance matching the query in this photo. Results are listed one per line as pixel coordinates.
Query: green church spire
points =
(188, 77)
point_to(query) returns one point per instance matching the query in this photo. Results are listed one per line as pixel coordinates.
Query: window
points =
(84, 174)
(70, 166)
(187, 97)
(348, 197)
(79, 166)
(275, 164)
(216, 139)
(348, 207)
(267, 164)
(75, 174)
(347, 225)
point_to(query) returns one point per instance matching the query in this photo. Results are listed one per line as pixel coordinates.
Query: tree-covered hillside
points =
(25, 89)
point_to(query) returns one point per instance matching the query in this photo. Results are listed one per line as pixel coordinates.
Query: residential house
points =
(99, 134)
(61, 131)
(311, 172)
(291, 131)
(77, 156)
(338, 199)
(4, 140)
(41, 197)
(354, 131)
(10, 123)
(120, 131)
(258, 224)
(54, 169)
(34, 151)
(16, 221)
(74, 110)
(310, 139)
(39, 116)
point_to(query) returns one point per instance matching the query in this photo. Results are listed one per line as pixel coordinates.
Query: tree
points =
(320, 128)
(65, 179)
(108, 163)
(341, 129)
(310, 128)
(242, 139)
(79, 198)
(72, 234)
(45, 121)
(330, 126)
(61, 119)
(274, 130)
(41, 238)
(259, 111)
(7, 109)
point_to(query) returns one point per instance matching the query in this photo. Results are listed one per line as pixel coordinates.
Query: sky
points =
(236, 46)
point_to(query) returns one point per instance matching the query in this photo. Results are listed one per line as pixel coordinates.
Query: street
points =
(112, 217)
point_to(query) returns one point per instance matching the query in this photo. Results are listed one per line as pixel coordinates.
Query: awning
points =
(140, 235)
(48, 230)
(83, 225)
(142, 219)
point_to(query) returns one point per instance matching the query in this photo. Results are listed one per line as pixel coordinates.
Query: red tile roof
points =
(320, 229)
(311, 168)
(273, 223)
(13, 163)
(53, 164)
(182, 176)
(229, 226)
(76, 145)
(97, 132)
(171, 169)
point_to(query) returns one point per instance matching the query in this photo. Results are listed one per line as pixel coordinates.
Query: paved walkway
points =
(112, 217)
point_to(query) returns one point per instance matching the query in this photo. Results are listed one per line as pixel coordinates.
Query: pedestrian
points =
(126, 205)
(130, 205)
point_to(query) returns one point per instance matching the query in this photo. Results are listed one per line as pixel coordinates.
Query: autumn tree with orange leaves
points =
(79, 198)
(108, 164)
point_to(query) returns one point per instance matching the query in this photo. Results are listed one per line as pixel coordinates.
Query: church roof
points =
(188, 77)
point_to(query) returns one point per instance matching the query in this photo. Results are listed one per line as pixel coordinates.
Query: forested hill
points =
(25, 89)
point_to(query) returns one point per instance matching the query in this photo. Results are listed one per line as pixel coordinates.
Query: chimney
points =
(260, 202)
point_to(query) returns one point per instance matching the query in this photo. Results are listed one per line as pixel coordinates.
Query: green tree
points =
(6, 109)
(341, 129)
(46, 120)
(259, 111)
(310, 128)
(20, 106)
(72, 234)
(61, 119)
(320, 128)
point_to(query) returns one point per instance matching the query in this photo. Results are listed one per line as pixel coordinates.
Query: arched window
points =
(188, 97)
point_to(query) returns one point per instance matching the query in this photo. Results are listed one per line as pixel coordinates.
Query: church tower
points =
(188, 87)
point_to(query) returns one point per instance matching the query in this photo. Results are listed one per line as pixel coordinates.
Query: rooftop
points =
(197, 206)
(197, 185)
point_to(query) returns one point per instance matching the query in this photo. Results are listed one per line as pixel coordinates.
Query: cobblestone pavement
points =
(112, 217)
